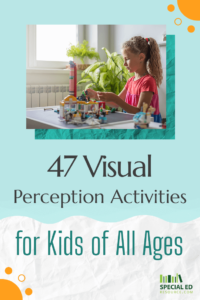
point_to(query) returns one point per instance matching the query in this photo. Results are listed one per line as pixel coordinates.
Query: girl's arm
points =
(145, 97)
(93, 94)
(122, 95)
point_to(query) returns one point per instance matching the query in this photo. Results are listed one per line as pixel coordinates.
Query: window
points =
(46, 44)
(52, 41)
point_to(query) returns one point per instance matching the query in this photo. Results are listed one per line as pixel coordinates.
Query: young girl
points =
(141, 56)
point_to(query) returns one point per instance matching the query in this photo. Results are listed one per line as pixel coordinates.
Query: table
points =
(38, 118)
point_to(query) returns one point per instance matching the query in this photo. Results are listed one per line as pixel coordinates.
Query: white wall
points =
(121, 33)
(98, 37)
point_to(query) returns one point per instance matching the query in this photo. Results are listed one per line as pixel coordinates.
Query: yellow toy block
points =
(145, 106)
(70, 98)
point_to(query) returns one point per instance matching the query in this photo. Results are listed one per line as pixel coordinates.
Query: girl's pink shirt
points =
(145, 84)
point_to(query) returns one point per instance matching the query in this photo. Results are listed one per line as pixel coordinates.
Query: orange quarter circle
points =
(190, 9)
(9, 290)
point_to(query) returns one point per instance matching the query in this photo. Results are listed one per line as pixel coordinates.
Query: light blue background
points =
(24, 160)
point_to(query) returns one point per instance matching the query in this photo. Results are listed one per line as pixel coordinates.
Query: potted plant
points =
(81, 52)
(110, 76)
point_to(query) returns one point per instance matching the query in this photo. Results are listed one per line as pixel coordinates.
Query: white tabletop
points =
(128, 124)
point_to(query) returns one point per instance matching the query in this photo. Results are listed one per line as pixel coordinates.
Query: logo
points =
(169, 279)
(174, 285)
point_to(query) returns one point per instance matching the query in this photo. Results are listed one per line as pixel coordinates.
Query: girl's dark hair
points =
(138, 44)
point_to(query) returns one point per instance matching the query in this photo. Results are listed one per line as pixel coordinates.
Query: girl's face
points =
(132, 61)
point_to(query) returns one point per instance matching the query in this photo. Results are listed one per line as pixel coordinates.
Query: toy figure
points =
(83, 97)
(143, 118)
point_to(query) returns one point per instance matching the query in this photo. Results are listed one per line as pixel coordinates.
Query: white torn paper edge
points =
(109, 276)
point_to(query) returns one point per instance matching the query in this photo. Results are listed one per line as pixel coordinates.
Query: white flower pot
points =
(89, 61)
(86, 60)
(77, 60)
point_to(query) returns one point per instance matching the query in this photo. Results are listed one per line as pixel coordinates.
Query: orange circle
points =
(28, 292)
(20, 279)
(8, 271)
(9, 290)
(191, 28)
(190, 9)
(171, 7)
(176, 23)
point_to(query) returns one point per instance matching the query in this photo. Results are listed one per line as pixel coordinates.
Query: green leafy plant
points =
(81, 51)
(108, 77)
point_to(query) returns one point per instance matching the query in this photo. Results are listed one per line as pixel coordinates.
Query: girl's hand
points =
(91, 93)
(111, 98)
(103, 96)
